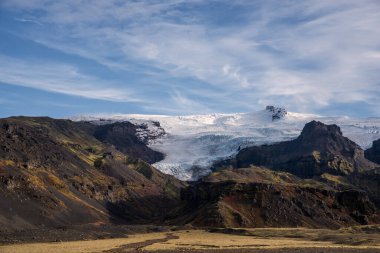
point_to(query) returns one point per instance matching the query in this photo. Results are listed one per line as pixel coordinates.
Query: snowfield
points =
(192, 143)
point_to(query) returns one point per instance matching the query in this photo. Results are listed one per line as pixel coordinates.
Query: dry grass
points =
(352, 236)
(79, 246)
(199, 239)
(272, 240)
(6, 163)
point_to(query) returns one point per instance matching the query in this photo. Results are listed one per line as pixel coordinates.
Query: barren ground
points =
(350, 240)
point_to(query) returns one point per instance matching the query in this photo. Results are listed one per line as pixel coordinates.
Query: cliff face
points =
(319, 149)
(123, 136)
(257, 197)
(373, 154)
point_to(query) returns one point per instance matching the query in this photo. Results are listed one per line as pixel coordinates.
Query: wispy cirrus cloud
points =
(27, 20)
(305, 55)
(59, 78)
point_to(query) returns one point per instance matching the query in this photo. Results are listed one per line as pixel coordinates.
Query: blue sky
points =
(63, 58)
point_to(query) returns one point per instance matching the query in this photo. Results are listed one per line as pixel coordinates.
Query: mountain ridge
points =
(191, 144)
(318, 149)
(259, 197)
(56, 173)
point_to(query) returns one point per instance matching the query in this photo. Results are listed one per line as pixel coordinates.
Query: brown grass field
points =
(285, 240)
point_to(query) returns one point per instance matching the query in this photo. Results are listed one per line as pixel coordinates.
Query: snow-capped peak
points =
(192, 143)
(277, 112)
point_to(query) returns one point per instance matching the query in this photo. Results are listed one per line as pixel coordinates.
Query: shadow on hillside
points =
(145, 210)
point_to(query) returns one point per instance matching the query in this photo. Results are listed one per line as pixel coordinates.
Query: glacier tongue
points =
(192, 143)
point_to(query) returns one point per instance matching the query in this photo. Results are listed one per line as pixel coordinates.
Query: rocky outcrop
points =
(124, 136)
(319, 149)
(373, 154)
(276, 112)
(255, 197)
(368, 181)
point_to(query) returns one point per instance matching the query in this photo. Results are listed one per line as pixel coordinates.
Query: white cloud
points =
(187, 105)
(26, 20)
(303, 54)
(59, 78)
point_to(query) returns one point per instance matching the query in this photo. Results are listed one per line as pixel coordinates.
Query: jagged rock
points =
(373, 154)
(277, 112)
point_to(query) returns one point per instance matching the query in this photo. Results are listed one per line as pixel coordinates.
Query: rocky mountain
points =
(259, 197)
(277, 112)
(319, 149)
(57, 173)
(373, 153)
(192, 143)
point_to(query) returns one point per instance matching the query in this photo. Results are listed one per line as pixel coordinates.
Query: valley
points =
(189, 126)
(93, 186)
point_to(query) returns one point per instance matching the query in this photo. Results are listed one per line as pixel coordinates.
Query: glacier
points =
(192, 143)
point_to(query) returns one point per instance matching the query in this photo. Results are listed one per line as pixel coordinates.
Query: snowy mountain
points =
(192, 143)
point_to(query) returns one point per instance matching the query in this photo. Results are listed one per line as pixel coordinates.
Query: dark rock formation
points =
(319, 149)
(373, 154)
(369, 181)
(277, 112)
(123, 136)
(256, 197)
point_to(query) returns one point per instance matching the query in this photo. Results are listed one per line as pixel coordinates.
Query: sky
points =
(181, 57)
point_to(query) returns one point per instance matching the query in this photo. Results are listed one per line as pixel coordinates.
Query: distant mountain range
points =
(56, 173)
(191, 144)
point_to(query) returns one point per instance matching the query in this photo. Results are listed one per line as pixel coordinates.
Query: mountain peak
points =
(373, 153)
(318, 129)
(277, 112)
(319, 149)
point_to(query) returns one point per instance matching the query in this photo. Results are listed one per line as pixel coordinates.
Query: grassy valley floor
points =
(355, 239)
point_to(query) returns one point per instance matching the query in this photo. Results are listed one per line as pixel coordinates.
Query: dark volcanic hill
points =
(373, 154)
(55, 173)
(319, 149)
(259, 197)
